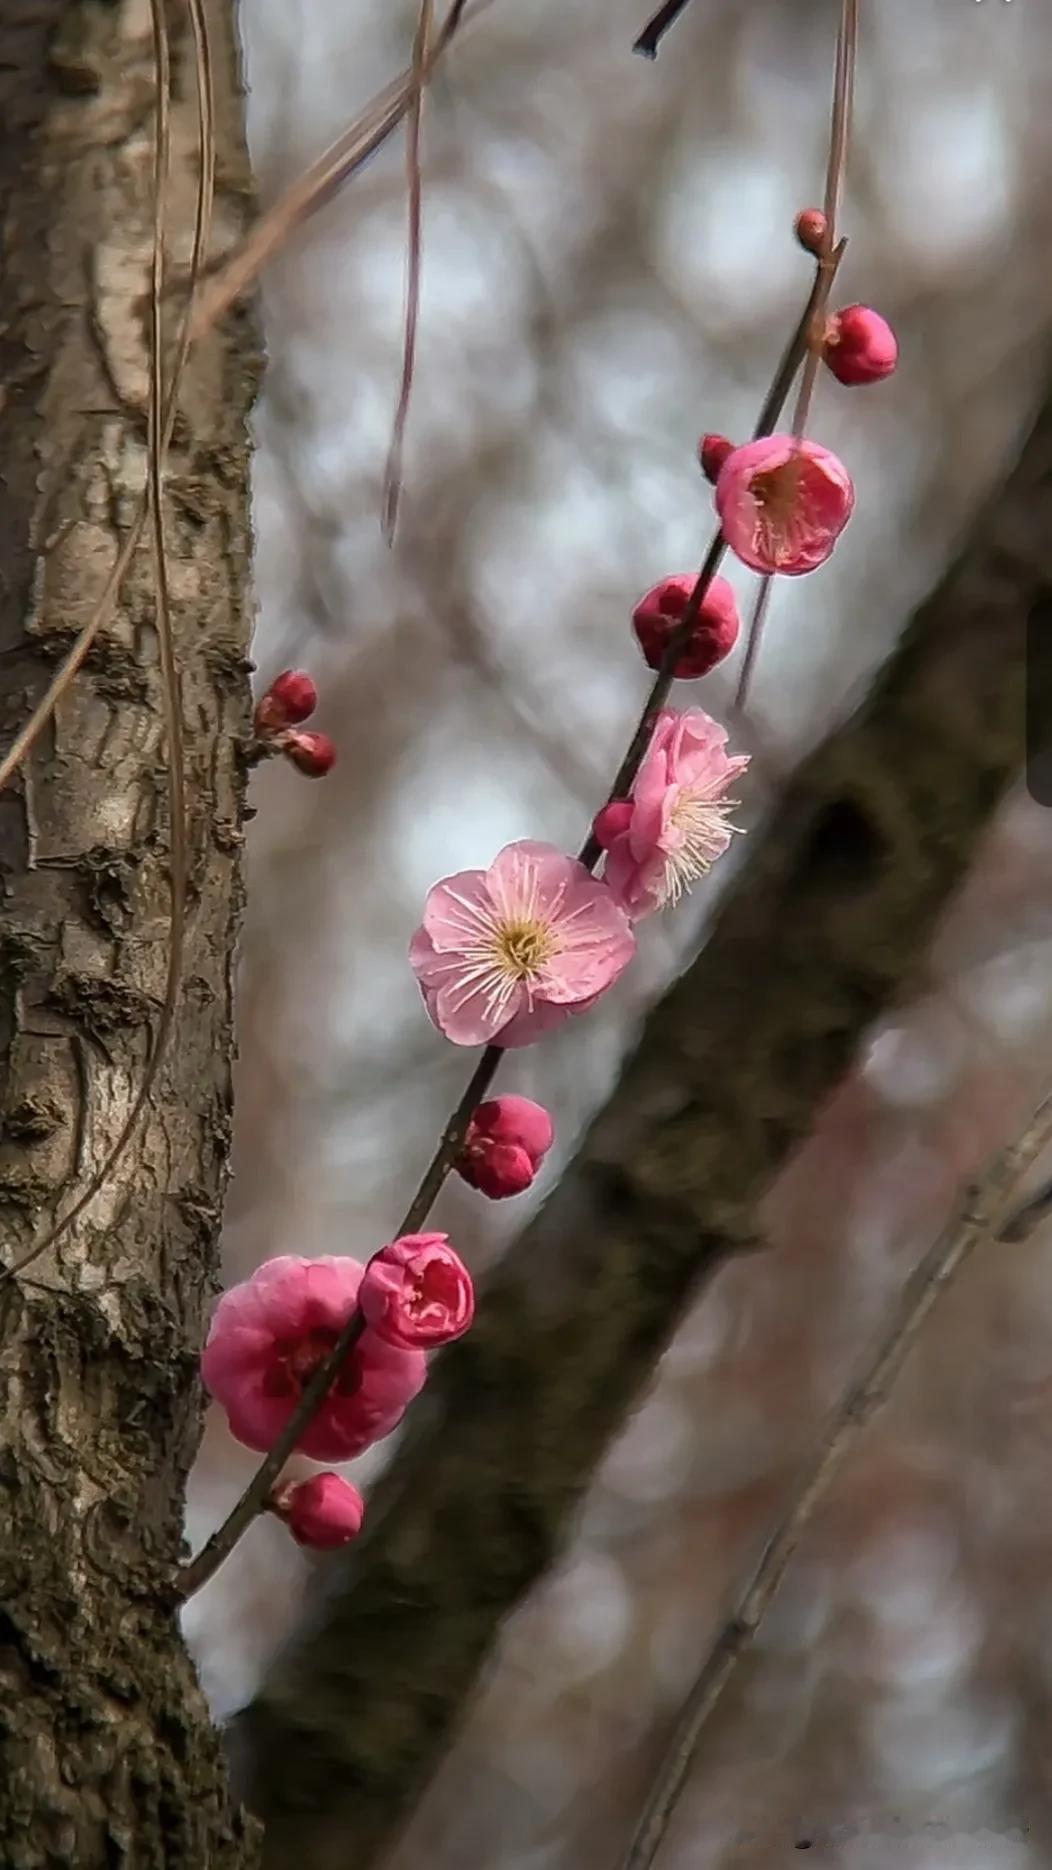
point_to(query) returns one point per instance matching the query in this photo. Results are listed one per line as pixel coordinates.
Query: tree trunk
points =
(829, 921)
(107, 1755)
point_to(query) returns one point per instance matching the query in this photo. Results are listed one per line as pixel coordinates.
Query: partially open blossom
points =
(660, 612)
(860, 346)
(292, 697)
(674, 825)
(712, 453)
(506, 1142)
(417, 1293)
(313, 754)
(505, 953)
(322, 1512)
(783, 503)
(269, 1335)
(810, 229)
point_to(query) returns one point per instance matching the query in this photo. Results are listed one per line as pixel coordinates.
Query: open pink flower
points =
(270, 1334)
(417, 1292)
(674, 826)
(507, 1140)
(323, 1512)
(505, 953)
(783, 503)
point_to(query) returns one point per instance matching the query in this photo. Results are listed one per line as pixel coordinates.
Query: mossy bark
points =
(107, 1755)
(830, 920)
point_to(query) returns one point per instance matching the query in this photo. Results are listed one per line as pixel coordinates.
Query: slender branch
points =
(826, 266)
(826, 924)
(220, 1544)
(755, 637)
(655, 29)
(974, 1222)
(318, 184)
(393, 471)
(839, 136)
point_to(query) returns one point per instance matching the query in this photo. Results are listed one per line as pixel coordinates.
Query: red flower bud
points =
(322, 1512)
(507, 1140)
(810, 230)
(712, 453)
(313, 754)
(291, 698)
(860, 346)
(417, 1293)
(659, 613)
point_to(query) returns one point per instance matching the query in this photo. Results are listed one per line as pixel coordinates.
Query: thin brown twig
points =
(839, 137)
(161, 421)
(830, 254)
(755, 635)
(317, 185)
(975, 1220)
(220, 1544)
(392, 485)
(655, 29)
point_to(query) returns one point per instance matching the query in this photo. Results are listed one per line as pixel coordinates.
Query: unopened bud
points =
(810, 230)
(712, 453)
(659, 614)
(312, 754)
(291, 698)
(507, 1140)
(323, 1512)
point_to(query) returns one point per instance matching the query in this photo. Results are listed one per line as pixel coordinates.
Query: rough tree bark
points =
(829, 921)
(107, 1756)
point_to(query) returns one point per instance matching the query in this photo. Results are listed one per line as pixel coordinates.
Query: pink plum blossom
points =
(506, 1142)
(659, 614)
(269, 1335)
(783, 503)
(323, 1512)
(417, 1292)
(505, 953)
(674, 825)
(860, 346)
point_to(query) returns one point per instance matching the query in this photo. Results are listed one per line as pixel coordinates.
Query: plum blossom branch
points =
(538, 916)
(253, 1500)
(974, 1222)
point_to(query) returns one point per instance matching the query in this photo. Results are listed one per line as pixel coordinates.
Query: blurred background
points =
(608, 270)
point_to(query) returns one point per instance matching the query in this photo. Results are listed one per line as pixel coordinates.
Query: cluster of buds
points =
(290, 700)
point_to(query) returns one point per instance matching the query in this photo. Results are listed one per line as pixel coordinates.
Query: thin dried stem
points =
(351, 150)
(414, 181)
(161, 419)
(755, 637)
(655, 29)
(839, 138)
(975, 1221)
